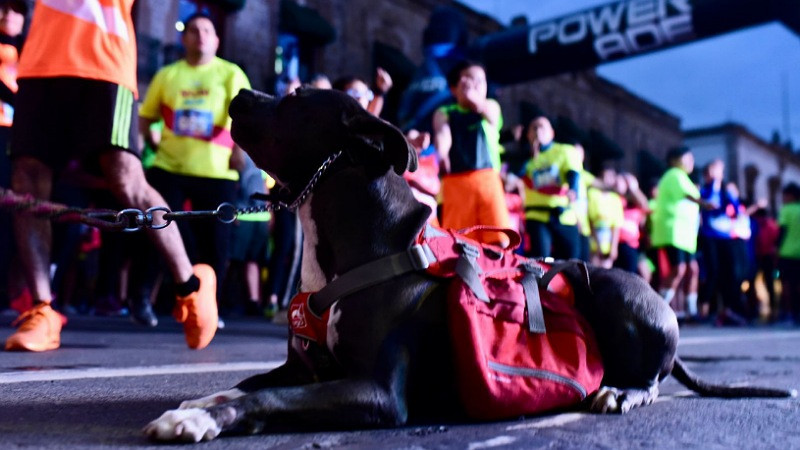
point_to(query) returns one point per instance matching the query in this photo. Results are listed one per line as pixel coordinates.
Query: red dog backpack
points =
(520, 346)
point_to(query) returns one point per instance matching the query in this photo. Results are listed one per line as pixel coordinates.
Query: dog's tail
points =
(689, 379)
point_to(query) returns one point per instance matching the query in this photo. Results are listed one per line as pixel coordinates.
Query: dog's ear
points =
(374, 139)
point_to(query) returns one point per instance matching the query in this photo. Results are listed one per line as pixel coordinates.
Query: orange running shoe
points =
(198, 310)
(39, 330)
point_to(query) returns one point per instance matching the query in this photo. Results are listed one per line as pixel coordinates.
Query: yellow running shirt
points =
(546, 183)
(193, 101)
(605, 214)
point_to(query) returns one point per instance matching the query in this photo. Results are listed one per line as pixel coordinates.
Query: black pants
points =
(7, 245)
(284, 265)
(767, 265)
(725, 265)
(627, 258)
(585, 248)
(553, 239)
(790, 281)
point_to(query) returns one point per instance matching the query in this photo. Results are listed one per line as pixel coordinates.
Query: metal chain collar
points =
(132, 219)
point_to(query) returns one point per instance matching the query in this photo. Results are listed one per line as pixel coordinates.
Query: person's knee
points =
(678, 272)
(125, 179)
(692, 268)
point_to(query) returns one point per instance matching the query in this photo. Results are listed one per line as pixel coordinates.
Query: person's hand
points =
(514, 184)
(291, 86)
(475, 97)
(419, 141)
(633, 183)
(383, 81)
(572, 195)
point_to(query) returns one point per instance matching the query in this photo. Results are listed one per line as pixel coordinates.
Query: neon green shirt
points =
(193, 101)
(675, 218)
(789, 220)
(546, 183)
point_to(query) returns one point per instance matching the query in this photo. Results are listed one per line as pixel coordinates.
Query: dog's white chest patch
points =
(332, 338)
(312, 278)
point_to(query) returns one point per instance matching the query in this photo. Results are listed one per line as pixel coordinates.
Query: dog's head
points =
(291, 137)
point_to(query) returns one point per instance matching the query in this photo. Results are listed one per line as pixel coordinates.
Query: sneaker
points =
(39, 330)
(110, 306)
(270, 310)
(198, 310)
(142, 312)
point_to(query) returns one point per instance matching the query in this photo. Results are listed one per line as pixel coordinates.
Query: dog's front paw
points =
(212, 400)
(612, 400)
(190, 425)
(606, 400)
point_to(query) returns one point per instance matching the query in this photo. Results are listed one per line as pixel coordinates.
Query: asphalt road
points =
(111, 377)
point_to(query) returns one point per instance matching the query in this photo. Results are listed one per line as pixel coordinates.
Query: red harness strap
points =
(304, 323)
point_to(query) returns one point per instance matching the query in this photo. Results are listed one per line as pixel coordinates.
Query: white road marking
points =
(493, 442)
(105, 372)
(555, 421)
(702, 340)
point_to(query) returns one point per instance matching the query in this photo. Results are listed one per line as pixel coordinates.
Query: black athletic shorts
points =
(58, 120)
(250, 241)
(789, 269)
(669, 256)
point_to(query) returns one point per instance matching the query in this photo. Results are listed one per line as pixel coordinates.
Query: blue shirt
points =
(716, 222)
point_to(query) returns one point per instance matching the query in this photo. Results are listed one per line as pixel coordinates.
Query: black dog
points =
(387, 359)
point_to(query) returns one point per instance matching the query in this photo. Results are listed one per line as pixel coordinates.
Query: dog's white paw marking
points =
(612, 400)
(190, 425)
(605, 401)
(212, 400)
(312, 278)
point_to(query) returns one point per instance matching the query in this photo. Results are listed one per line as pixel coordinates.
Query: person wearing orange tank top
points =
(91, 39)
(77, 81)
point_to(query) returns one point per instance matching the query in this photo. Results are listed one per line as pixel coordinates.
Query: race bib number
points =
(604, 239)
(194, 123)
(547, 181)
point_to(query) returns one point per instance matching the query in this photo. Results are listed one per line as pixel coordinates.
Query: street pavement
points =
(111, 377)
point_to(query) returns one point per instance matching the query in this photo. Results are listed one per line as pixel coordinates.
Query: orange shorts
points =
(474, 198)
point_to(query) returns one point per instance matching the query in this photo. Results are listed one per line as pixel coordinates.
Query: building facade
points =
(259, 34)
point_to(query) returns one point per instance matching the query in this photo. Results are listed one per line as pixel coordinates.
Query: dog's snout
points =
(247, 100)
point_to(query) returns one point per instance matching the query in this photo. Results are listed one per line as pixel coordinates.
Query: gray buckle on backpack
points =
(532, 267)
(419, 257)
